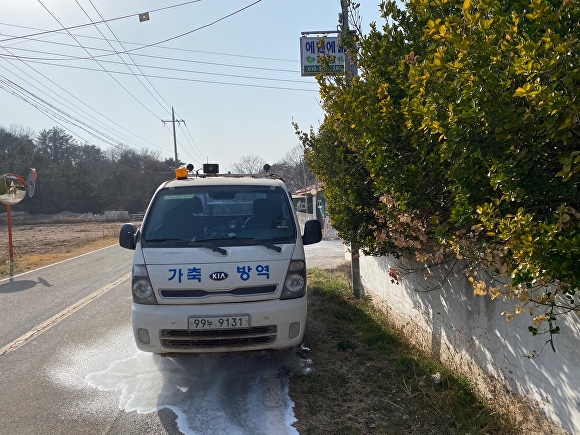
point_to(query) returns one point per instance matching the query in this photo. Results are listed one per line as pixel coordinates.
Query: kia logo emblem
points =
(218, 276)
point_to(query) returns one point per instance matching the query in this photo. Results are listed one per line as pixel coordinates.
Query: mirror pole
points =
(10, 247)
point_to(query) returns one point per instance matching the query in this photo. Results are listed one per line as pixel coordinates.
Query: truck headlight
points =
(295, 282)
(141, 286)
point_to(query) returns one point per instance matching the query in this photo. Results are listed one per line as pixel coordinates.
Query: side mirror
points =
(127, 236)
(312, 232)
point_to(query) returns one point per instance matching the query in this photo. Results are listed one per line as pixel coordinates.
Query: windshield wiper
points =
(250, 241)
(190, 243)
(269, 246)
(166, 239)
(212, 247)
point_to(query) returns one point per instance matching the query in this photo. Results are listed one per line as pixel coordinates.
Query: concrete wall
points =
(302, 218)
(116, 215)
(327, 231)
(468, 333)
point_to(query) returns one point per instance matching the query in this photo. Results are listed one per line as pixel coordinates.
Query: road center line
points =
(57, 318)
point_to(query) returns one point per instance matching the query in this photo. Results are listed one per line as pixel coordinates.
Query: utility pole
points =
(357, 287)
(173, 121)
(349, 65)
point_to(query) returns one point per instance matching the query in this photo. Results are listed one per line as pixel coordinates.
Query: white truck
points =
(219, 265)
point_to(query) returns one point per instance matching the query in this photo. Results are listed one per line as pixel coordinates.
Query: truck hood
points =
(198, 275)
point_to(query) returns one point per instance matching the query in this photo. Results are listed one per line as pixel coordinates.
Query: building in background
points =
(310, 203)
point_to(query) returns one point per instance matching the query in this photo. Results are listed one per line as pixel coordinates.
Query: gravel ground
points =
(37, 237)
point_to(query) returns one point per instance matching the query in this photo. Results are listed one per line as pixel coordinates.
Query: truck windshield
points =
(220, 215)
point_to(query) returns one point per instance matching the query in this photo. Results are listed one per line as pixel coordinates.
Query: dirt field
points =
(37, 243)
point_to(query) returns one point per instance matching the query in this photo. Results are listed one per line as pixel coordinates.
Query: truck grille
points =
(239, 291)
(210, 339)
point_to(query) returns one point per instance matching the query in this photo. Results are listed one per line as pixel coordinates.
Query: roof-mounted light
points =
(181, 173)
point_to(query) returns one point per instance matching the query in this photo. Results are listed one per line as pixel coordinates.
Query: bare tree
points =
(250, 164)
(294, 170)
(21, 131)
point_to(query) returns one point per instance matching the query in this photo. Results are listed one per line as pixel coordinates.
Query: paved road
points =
(327, 254)
(68, 363)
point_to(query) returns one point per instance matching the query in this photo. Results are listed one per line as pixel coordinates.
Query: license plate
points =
(225, 322)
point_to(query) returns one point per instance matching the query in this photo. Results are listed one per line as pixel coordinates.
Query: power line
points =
(194, 80)
(196, 29)
(185, 150)
(52, 111)
(66, 57)
(164, 40)
(100, 22)
(104, 69)
(173, 121)
(79, 109)
(190, 50)
(120, 57)
(192, 143)
(115, 51)
(57, 116)
(142, 74)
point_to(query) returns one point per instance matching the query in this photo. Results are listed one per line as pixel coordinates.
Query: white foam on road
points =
(240, 393)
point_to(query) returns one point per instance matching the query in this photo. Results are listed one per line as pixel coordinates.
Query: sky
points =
(229, 68)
